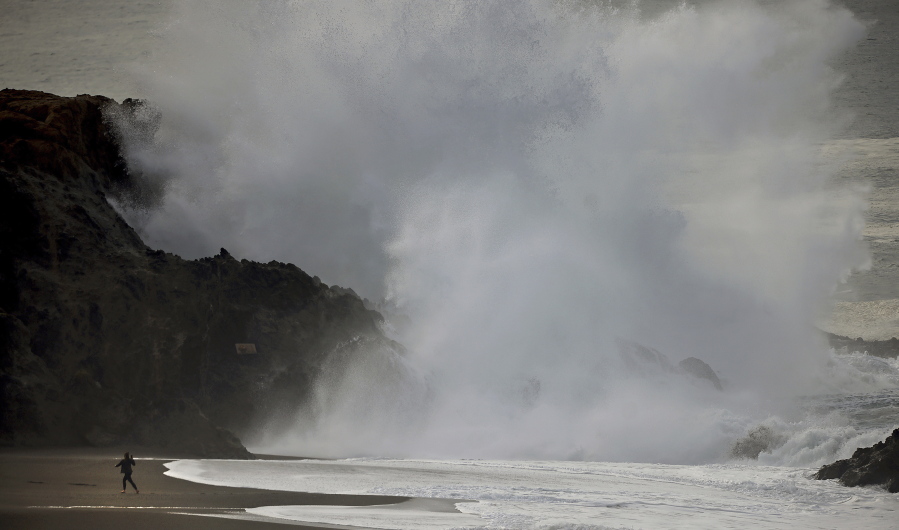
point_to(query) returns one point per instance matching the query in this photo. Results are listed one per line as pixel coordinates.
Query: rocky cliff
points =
(104, 341)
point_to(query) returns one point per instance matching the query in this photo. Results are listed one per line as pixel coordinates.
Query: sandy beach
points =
(80, 488)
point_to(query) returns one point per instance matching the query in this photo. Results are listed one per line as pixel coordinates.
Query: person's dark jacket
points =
(126, 464)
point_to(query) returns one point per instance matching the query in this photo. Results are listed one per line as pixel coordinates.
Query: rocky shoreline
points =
(887, 349)
(877, 465)
(107, 342)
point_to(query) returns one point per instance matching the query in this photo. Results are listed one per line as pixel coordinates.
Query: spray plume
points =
(531, 183)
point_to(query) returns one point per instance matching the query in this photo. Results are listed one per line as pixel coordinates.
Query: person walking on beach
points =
(126, 464)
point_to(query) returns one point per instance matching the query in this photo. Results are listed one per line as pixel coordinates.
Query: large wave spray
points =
(530, 183)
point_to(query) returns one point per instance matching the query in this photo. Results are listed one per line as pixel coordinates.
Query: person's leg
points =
(124, 478)
(128, 476)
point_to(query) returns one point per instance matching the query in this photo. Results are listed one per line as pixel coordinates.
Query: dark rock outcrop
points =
(875, 465)
(643, 361)
(758, 440)
(701, 370)
(104, 340)
(888, 349)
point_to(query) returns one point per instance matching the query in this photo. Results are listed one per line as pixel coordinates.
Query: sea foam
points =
(540, 494)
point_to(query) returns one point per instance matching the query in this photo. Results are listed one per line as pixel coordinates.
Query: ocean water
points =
(560, 495)
(774, 491)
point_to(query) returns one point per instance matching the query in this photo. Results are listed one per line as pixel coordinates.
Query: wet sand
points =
(80, 489)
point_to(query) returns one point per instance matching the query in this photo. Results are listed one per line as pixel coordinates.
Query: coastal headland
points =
(106, 341)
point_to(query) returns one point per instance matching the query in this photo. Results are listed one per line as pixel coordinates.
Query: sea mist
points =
(523, 187)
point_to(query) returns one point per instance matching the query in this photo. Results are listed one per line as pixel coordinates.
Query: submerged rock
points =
(868, 466)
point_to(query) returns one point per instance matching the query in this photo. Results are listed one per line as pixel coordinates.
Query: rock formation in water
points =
(105, 341)
(758, 440)
(700, 370)
(875, 465)
(643, 361)
(888, 349)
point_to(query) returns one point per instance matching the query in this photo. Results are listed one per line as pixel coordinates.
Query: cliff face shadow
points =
(107, 341)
